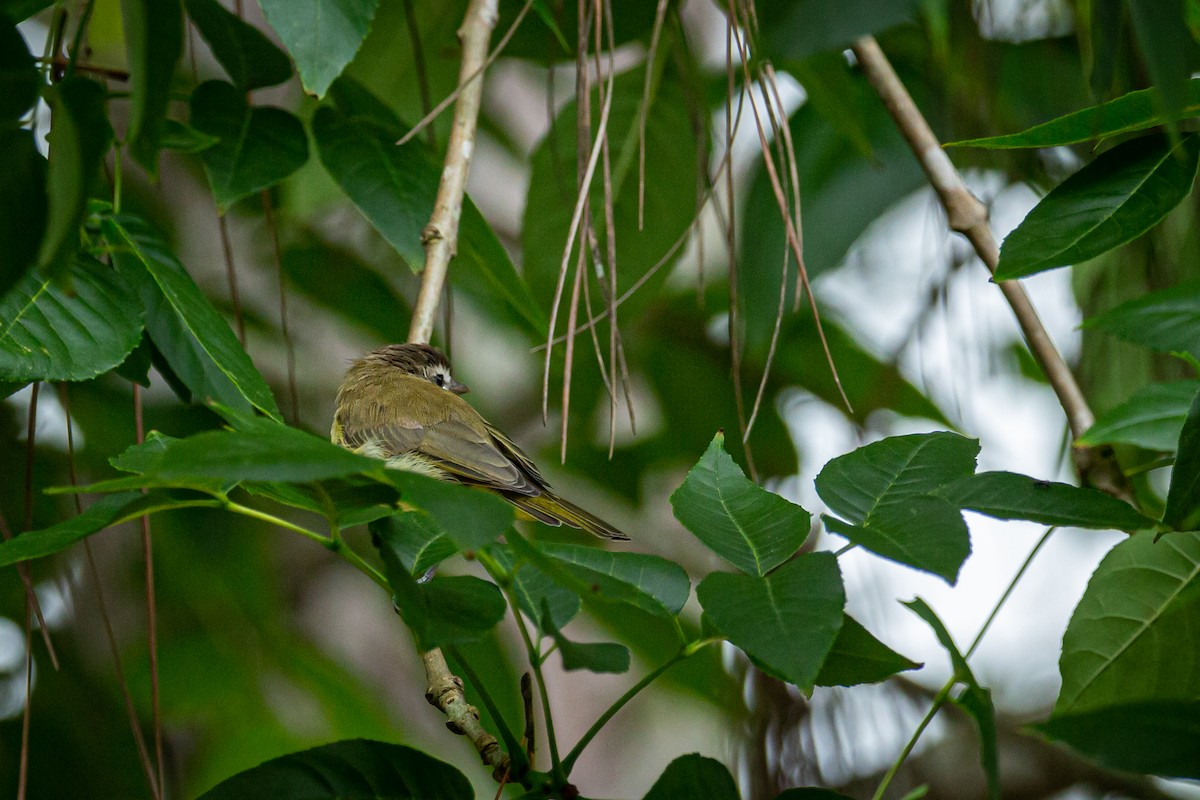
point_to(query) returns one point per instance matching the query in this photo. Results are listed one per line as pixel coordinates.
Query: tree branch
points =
(968, 216)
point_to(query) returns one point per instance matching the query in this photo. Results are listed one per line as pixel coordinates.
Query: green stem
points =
(84, 19)
(535, 662)
(938, 701)
(686, 652)
(1011, 586)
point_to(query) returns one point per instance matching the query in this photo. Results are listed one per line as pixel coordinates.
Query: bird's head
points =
(419, 360)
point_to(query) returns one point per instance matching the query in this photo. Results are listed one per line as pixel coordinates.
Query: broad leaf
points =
(22, 205)
(321, 35)
(887, 492)
(250, 59)
(471, 518)
(355, 768)
(654, 579)
(1151, 418)
(694, 777)
(1166, 321)
(751, 528)
(592, 656)
(785, 622)
(194, 339)
(858, 657)
(1156, 737)
(1113, 200)
(1140, 605)
(153, 42)
(184, 138)
(798, 28)
(19, 78)
(256, 149)
(418, 541)
(542, 599)
(1006, 495)
(345, 502)
(1183, 496)
(1106, 21)
(48, 333)
(79, 137)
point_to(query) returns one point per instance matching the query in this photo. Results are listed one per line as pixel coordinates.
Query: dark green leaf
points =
(470, 518)
(537, 594)
(1151, 418)
(22, 205)
(887, 491)
(194, 339)
(1006, 495)
(1166, 321)
(153, 42)
(136, 366)
(1113, 200)
(19, 78)
(1160, 738)
(257, 148)
(1105, 22)
(1130, 112)
(694, 777)
(799, 28)
(654, 581)
(11, 387)
(48, 333)
(417, 541)
(974, 699)
(250, 59)
(345, 501)
(184, 138)
(858, 657)
(751, 528)
(21, 10)
(79, 137)
(1167, 47)
(355, 768)
(321, 35)
(1183, 497)
(810, 793)
(592, 656)
(787, 621)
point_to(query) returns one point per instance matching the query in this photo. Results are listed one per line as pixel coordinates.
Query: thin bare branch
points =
(231, 278)
(289, 347)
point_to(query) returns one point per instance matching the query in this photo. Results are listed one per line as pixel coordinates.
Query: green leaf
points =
(321, 35)
(22, 205)
(810, 793)
(785, 622)
(1006, 495)
(799, 28)
(592, 656)
(1183, 496)
(79, 137)
(19, 78)
(857, 657)
(887, 490)
(48, 333)
(1166, 321)
(1130, 112)
(471, 518)
(1113, 200)
(656, 584)
(109, 510)
(444, 610)
(345, 502)
(418, 541)
(153, 42)
(751, 528)
(395, 187)
(694, 777)
(1105, 20)
(251, 60)
(257, 148)
(197, 343)
(538, 595)
(1167, 48)
(1151, 418)
(184, 138)
(1140, 605)
(1159, 738)
(354, 768)
(21, 10)
(975, 700)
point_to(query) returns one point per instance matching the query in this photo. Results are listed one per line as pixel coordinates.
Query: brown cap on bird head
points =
(420, 360)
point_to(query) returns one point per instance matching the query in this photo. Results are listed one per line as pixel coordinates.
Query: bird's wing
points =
(517, 455)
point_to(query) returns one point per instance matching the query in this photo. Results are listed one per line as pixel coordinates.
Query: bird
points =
(401, 404)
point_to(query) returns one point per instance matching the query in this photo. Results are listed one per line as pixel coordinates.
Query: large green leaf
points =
(1151, 418)
(395, 187)
(470, 518)
(887, 490)
(1007, 495)
(799, 28)
(542, 599)
(250, 59)
(22, 205)
(321, 35)
(751, 528)
(694, 777)
(355, 768)
(787, 621)
(19, 78)
(197, 343)
(652, 579)
(1166, 321)
(79, 137)
(1130, 112)
(1160, 738)
(256, 148)
(418, 541)
(1183, 496)
(50, 334)
(1132, 635)
(858, 657)
(1116, 198)
(1167, 47)
(153, 42)
(592, 656)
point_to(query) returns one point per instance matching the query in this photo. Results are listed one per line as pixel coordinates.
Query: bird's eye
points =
(439, 379)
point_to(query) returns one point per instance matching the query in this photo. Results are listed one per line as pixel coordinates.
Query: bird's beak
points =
(458, 388)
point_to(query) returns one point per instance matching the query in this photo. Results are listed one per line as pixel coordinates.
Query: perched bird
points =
(400, 403)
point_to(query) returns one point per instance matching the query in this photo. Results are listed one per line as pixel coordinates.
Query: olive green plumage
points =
(400, 403)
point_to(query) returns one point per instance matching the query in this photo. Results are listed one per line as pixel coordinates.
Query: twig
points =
(965, 214)
(288, 346)
(445, 692)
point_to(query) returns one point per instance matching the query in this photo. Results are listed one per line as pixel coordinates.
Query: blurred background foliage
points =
(266, 645)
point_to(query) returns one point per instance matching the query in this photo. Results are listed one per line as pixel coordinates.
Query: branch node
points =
(431, 233)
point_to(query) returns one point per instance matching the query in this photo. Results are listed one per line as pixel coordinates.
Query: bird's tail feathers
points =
(553, 510)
